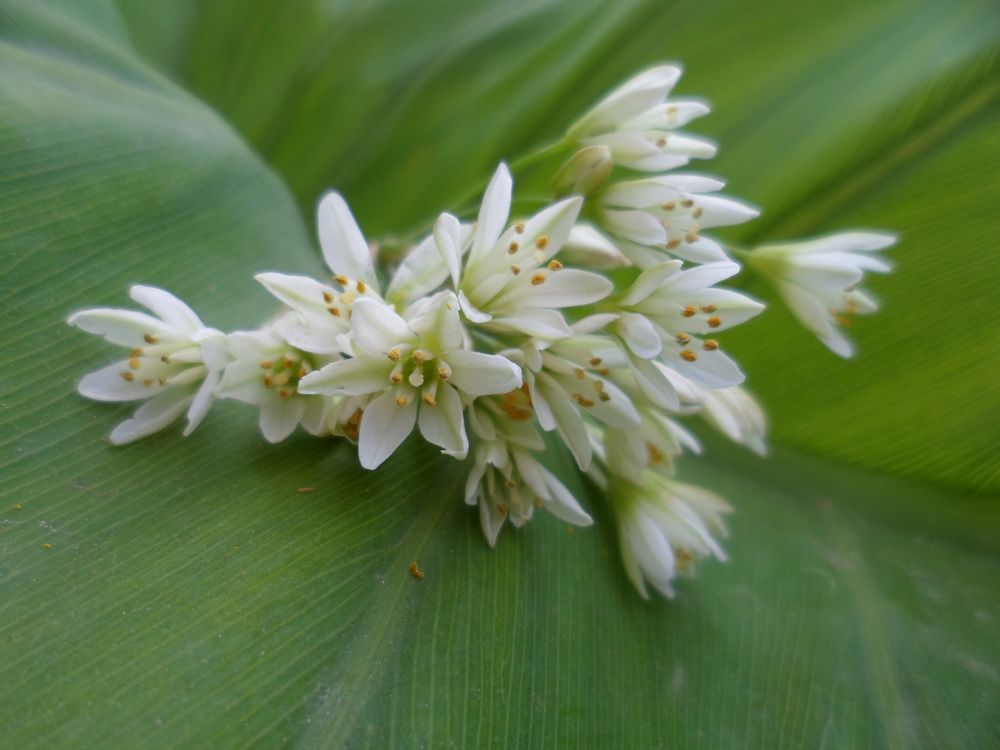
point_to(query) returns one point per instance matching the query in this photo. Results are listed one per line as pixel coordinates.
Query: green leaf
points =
(193, 597)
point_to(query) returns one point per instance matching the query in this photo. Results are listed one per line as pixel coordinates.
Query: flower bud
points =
(585, 171)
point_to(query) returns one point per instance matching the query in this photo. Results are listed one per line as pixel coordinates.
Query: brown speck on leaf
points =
(415, 570)
(18, 506)
(305, 490)
(46, 546)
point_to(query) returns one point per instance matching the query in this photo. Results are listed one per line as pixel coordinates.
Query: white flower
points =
(506, 480)
(323, 310)
(818, 279)
(174, 361)
(415, 368)
(668, 213)
(511, 281)
(654, 444)
(637, 124)
(585, 246)
(667, 309)
(664, 525)
(265, 372)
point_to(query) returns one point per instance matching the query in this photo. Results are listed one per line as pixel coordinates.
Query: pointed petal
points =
(280, 416)
(357, 376)
(122, 327)
(543, 323)
(640, 335)
(107, 384)
(448, 238)
(171, 310)
(377, 327)
(650, 280)
(344, 246)
(568, 287)
(443, 424)
(493, 213)
(479, 374)
(203, 401)
(152, 416)
(384, 426)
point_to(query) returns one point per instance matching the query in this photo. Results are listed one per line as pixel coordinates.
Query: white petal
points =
(593, 324)
(479, 374)
(654, 383)
(629, 100)
(344, 246)
(672, 114)
(171, 310)
(712, 369)
(202, 402)
(384, 426)
(562, 503)
(493, 213)
(849, 242)
(152, 416)
(377, 328)
(568, 420)
(280, 416)
(568, 287)
(650, 280)
(490, 519)
(123, 327)
(243, 380)
(443, 423)
(448, 238)
(472, 312)
(357, 376)
(422, 271)
(298, 292)
(637, 226)
(542, 323)
(640, 335)
(107, 384)
(585, 246)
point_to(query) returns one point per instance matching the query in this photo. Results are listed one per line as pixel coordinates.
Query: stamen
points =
(655, 454)
(284, 393)
(691, 237)
(268, 381)
(714, 322)
(128, 376)
(362, 287)
(555, 265)
(595, 361)
(342, 280)
(515, 269)
(148, 382)
(429, 399)
(165, 359)
(150, 339)
(135, 353)
(688, 355)
(689, 311)
(661, 142)
(443, 371)
(266, 364)
(402, 400)
(394, 354)
(604, 396)
(519, 228)
(541, 242)
(687, 203)
(682, 339)
(710, 345)
(538, 278)
(708, 308)
(281, 378)
(327, 298)
(669, 206)
(697, 213)
(580, 374)
(396, 376)
(513, 248)
(334, 311)
(134, 363)
(537, 501)
(419, 356)
(347, 298)
(672, 244)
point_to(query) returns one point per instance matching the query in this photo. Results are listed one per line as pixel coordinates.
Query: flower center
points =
(419, 369)
(283, 372)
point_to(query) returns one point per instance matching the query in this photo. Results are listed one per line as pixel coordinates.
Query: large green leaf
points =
(192, 597)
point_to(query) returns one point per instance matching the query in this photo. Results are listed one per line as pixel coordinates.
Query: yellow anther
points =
(580, 374)
(604, 372)
(708, 308)
(682, 338)
(419, 357)
(537, 501)
(134, 363)
(334, 311)
(655, 454)
(687, 203)
(515, 269)
(691, 237)
(538, 278)
(394, 354)
(266, 364)
(661, 142)
(128, 376)
(672, 109)
(268, 381)
(519, 228)
(595, 361)
(513, 248)
(135, 353)
(603, 395)
(402, 400)
(162, 381)
(165, 359)
(443, 372)
(147, 382)
(714, 322)
(582, 400)
(555, 265)
(710, 345)
(599, 386)
(362, 287)
(342, 280)
(541, 242)
(689, 311)
(697, 213)
(327, 298)
(672, 244)
(284, 393)
(688, 355)
(150, 339)
(502, 508)
(396, 377)
(669, 206)
(429, 399)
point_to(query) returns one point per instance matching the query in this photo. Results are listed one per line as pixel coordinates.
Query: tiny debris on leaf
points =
(305, 490)
(46, 546)
(18, 506)
(415, 571)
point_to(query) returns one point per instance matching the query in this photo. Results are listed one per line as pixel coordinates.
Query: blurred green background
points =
(192, 598)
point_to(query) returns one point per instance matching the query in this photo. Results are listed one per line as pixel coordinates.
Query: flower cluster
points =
(594, 320)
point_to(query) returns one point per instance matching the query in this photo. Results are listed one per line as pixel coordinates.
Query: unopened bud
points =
(586, 171)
